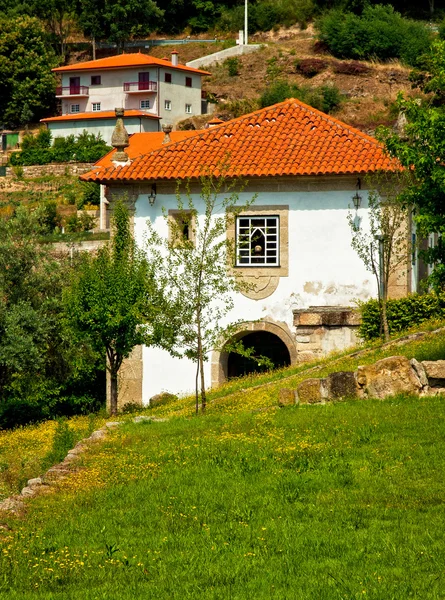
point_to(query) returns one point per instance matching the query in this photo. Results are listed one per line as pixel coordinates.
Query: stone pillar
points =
(129, 383)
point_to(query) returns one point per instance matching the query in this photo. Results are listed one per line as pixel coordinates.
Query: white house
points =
(305, 167)
(148, 88)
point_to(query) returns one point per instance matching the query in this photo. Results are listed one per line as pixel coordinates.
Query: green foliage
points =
(64, 440)
(379, 32)
(90, 194)
(326, 98)
(402, 313)
(233, 66)
(86, 147)
(27, 86)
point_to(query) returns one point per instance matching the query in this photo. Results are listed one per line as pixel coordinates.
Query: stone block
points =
(435, 372)
(306, 356)
(309, 319)
(387, 377)
(342, 385)
(303, 339)
(161, 399)
(420, 371)
(312, 391)
(287, 397)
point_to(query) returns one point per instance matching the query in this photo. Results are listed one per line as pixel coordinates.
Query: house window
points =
(188, 109)
(168, 77)
(257, 240)
(95, 79)
(96, 106)
(188, 82)
(167, 104)
(145, 104)
(75, 108)
(181, 227)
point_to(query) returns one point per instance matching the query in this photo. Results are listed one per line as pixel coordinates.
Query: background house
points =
(150, 89)
(304, 166)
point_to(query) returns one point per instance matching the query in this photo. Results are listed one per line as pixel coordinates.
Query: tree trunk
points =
(93, 42)
(385, 320)
(113, 392)
(203, 387)
(196, 388)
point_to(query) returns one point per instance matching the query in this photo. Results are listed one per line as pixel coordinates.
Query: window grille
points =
(257, 241)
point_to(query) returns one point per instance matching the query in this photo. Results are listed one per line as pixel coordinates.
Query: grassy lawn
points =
(340, 501)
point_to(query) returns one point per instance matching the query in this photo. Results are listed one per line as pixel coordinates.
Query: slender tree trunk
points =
(93, 43)
(113, 391)
(196, 388)
(203, 387)
(385, 320)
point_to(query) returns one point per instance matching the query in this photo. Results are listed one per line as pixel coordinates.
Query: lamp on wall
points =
(356, 198)
(152, 196)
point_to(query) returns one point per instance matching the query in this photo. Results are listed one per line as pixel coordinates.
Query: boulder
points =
(161, 399)
(387, 377)
(342, 384)
(287, 397)
(435, 372)
(311, 391)
(420, 371)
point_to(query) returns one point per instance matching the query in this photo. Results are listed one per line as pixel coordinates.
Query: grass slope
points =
(341, 501)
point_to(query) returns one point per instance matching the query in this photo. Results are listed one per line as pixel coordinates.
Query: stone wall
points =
(387, 377)
(129, 381)
(320, 330)
(51, 169)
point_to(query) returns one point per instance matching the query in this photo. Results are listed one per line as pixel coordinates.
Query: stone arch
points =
(220, 359)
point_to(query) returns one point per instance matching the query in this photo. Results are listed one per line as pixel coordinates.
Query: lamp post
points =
(245, 22)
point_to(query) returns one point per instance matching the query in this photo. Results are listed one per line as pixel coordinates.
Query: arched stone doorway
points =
(278, 345)
(264, 344)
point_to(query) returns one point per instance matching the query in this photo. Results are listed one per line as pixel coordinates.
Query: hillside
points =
(343, 500)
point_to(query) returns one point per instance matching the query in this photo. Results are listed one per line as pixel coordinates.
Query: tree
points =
(27, 86)
(420, 148)
(196, 260)
(129, 18)
(113, 301)
(383, 248)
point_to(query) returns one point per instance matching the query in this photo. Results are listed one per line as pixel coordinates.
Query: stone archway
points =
(276, 336)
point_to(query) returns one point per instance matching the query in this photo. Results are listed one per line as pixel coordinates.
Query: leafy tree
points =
(113, 300)
(195, 275)
(125, 19)
(383, 247)
(421, 149)
(26, 81)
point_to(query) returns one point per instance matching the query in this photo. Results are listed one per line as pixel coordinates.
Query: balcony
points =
(134, 87)
(73, 91)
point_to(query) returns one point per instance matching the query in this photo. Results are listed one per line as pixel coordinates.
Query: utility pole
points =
(245, 23)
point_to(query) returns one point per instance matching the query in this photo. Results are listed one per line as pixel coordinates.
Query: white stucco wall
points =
(179, 95)
(103, 126)
(323, 270)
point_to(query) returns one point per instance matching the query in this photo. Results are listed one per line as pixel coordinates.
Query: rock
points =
(34, 482)
(28, 491)
(311, 391)
(142, 418)
(287, 397)
(387, 377)
(342, 385)
(98, 435)
(306, 356)
(113, 424)
(11, 504)
(161, 399)
(435, 371)
(420, 371)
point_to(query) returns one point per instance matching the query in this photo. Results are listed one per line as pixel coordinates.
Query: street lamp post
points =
(245, 22)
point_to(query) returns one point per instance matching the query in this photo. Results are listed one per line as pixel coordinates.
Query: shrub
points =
(353, 67)
(403, 313)
(326, 98)
(309, 67)
(233, 66)
(380, 32)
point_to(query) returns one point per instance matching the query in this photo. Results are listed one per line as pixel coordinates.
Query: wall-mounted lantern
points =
(152, 196)
(356, 198)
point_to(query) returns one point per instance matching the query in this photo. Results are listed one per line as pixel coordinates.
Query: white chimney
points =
(175, 58)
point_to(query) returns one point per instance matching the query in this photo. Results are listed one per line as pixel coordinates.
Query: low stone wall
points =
(51, 169)
(217, 57)
(320, 330)
(387, 377)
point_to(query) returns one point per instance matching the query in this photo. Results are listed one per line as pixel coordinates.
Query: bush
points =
(379, 32)
(325, 98)
(403, 313)
(353, 67)
(232, 65)
(309, 67)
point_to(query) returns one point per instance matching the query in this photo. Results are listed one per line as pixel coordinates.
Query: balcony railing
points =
(73, 90)
(140, 86)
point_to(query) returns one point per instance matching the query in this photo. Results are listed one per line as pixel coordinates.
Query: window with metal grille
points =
(257, 241)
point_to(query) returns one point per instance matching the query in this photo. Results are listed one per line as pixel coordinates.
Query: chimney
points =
(214, 122)
(119, 139)
(175, 60)
(167, 129)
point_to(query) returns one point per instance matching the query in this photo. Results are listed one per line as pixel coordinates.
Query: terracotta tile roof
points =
(142, 143)
(290, 138)
(104, 114)
(126, 61)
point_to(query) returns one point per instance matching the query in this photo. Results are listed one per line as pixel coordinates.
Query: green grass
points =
(74, 237)
(338, 501)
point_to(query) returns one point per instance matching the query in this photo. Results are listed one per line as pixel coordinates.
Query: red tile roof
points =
(290, 138)
(104, 114)
(126, 61)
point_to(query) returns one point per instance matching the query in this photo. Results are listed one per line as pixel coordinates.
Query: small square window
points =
(188, 82)
(96, 106)
(188, 109)
(167, 104)
(257, 241)
(168, 77)
(181, 227)
(75, 108)
(96, 80)
(145, 104)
